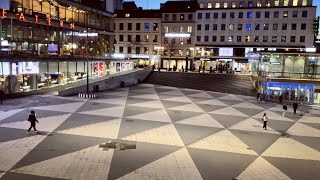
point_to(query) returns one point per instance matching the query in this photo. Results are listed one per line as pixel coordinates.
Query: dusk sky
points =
(155, 4)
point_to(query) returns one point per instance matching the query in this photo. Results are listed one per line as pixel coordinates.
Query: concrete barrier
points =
(123, 79)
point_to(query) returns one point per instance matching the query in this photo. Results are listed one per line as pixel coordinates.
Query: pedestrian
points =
(285, 108)
(203, 69)
(295, 107)
(182, 69)
(301, 108)
(258, 96)
(33, 120)
(1, 96)
(210, 69)
(199, 69)
(280, 99)
(265, 120)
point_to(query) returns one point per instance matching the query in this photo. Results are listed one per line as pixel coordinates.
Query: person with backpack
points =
(285, 108)
(265, 120)
(33, 120)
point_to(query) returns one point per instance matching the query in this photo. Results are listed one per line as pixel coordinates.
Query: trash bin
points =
(121, 84)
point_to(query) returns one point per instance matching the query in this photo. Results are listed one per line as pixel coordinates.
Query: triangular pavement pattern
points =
(230, 102)
(216, 94)
(201, 95)
(279, 126)
(166, 135)
(107, 129)
(309, 119)
(188, 107)
(179, 160)
(117, 93)
(313, 125)
(47, 124)
(6, 114)
(77, 161)
(190, 134)
(144, 90)
(189, 92)
(201, 120)
(289, 148)
(209, 108)
(252, 125)
(227, 120)
(249, 112)
(160, 115)
(133, 100)
(272, 115)
(180, 115)
(297, 168)
(312, 142)
(228, 111)
(116, 101)
(231, 97)
(13, 151)
(179, 99)
(11, 175)
(299, 129)
(133, 126)
(147, 96)
(170, 104)
(197, 99)
(172, 92)
(152, 104)
(258, 142)
(215, 102)
(2, 174)
(136, 110)
(220, 165)
(111, 112)
(247, 105)
(70, 107)
(89, 106)
(223, 141)
(261, 169)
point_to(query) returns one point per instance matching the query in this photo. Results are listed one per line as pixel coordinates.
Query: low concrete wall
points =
(128, 78)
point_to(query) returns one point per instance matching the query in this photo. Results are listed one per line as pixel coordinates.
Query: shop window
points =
(284, 26)
(240, 15)
(231, 27)
(232, 15)
(217, 5)
(206, 38)
(209, 5)
(121, 26)
(138, 26)
(239, 38)
(265, 38)
(293, 26)
(302, 39)
(224, 15)
(214, 38)
(256, 38)
(303, 26)
(285, 14)
(207, 15)
(223, 27)
(189, 29)
(248, 27)
(215, 15)
(221, 38)
(295, 14)
(274, 39)
(304, 13)
(207, 27)
(276, 14)
(182, 17)
(257, 27)
(249, 15)
(199, 15)
(283, 38)
(155, 27)
(285, 2)
(292, 39)
(146, 26)
(275, 27)
(276, 2)
(239, 26)
(248, 39)
(230, 38)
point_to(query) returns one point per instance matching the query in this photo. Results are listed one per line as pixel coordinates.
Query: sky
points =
(155, 4)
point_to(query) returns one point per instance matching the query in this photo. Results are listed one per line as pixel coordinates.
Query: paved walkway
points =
(159, 133)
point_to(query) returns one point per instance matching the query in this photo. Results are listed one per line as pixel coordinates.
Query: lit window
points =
(146, 26)
(304, 2)
(265, 26)
(189, 29)
(231, 27)
(295, 3)
(238, 38)
(248, 27)
(256, 38)
(201, 5)
(259, 4)
(209, 5)
(268, 3)
(225, 5)
(166, 29)
(249, 15)
(285, 14)
(285, 2)
(230, 38)
(241, 4)
(181, 41)
(115, 15)
(233, 4)
(127, 15)
(181, 29)
(217, 5)
(276, 2)
(247, 38)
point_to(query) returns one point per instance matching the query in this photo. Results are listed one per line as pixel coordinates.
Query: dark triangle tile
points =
(133, 126)
(227, 120)
(90, 106)
(162, 90)
(138, 88)
(165, 96)
(297, 168)
(220, 165)
(263, 104)
(209, 108)
(289, 115)
(230, 102)
(136, 93)
(135, 110)
(313, 125)
(190, 134)
(9, 134)
(258, 142)
(170, 104)
(249, 111)
(57, 145)
(105, 96)
(132, 100)
(18, 176)
(217, 95)
(312, 142)
(48, 101)
(280, 126)
(187, 92)
(179, 115)
(78, 120)
(23, 115)
(124, 162)
(198, 99)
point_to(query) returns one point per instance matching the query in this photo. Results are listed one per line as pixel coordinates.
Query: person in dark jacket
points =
(295, 107)
(33, 120)
(1, 96)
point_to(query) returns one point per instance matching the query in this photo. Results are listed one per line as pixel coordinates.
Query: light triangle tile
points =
(166, 134)
(179, 99)
(118, 93)
(188, 107)
(172, 93)
(116, 101)
(112, 112)
(147, 96)
(145, 90)
(261, 169)
(11, 152)
(229, 111)
(47, 124)
(247, 105)
(213, 102)
(152, 104)
(165, 87)
(108, 129)
(252, 125)
(231, 97)
(223, 141)
(272, 115)
(201, 95)
(69, 107)
(309, 119)
(278, 107)
(179, 161)
(160, 115)
(4, 115)
(146, 85)
(289, 148)
(299, 129)
(79, 163)
(201, 120)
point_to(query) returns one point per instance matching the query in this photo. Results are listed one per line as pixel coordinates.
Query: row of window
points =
(181, 17)
(282, 39)
(251, 4)
(138, 49)
(146, 38)
(181, 29)
(249, 15)
(249, 27)
(155, 26)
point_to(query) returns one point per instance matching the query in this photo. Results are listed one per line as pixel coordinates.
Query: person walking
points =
(1, 96)
(33, 120)
(301, 108)
(258, 96)
(285, 108)
(199, 68)
(265, 120)
(295, 107)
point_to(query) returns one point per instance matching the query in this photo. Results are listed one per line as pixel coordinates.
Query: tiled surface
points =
(158, 133)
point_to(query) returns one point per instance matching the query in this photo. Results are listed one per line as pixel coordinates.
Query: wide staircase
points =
(230, 83)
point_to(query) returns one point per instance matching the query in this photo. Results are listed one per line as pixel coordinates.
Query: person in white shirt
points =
(265, 120)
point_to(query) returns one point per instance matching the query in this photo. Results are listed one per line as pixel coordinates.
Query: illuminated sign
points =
(225, 51)
(177, 35)
(311, 49)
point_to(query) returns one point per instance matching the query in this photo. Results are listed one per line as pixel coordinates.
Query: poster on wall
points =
(101, 69)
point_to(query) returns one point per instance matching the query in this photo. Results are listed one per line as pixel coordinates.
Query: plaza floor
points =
(159, 133)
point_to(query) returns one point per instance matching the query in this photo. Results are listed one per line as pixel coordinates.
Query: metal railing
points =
(290, 75)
